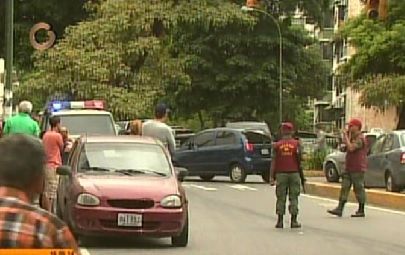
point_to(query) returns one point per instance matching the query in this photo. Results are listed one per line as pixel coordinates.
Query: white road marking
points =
(84, 251)
(353, 204)
(202, 187)
(241, 187)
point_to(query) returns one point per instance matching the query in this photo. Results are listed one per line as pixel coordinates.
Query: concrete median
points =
(314, 173)
(374, 197)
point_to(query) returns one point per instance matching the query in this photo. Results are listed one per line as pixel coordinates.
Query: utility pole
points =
(8, 88)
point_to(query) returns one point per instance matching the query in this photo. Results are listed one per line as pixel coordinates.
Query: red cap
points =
(287, 125)
(355, 122)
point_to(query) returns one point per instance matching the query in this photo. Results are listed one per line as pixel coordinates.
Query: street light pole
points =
(280, 78)
(8, 86)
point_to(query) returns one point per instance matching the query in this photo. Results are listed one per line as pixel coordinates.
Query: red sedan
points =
(122, 185)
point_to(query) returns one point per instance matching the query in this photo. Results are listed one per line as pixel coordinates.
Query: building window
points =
(328, 21)
(330, 83)
(327, 51)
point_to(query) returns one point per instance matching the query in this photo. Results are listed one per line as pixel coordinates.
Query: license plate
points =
(129, 220)
(265, 151)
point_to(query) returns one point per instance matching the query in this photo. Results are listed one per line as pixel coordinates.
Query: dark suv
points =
(226, 152)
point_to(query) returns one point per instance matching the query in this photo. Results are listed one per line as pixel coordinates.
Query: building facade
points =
(341, 103)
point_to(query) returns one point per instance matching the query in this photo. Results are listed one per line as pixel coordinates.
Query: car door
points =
(374, 162)
(227, 149)
(204, 155)
(70, 199)
(390, 159)
(185, 156)
(191, 154)
(64, 180)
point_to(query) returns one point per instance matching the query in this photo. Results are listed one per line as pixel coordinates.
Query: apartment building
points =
(341, 103)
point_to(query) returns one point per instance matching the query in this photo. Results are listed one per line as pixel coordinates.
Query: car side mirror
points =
(64, 170)
(181, 173)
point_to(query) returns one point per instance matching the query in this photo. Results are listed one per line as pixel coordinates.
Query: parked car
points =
(386, 161)
(226, 152)
(334, 163)
(123, 185)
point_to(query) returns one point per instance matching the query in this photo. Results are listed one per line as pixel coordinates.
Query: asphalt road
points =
(239, 219)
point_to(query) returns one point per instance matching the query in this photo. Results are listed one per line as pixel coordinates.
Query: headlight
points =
(172, 201)
(86, 199)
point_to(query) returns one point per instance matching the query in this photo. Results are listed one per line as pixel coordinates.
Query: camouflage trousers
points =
(287, 184)
(357, 181)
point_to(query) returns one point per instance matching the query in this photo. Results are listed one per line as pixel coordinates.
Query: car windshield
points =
(125, 158)
(88, 124)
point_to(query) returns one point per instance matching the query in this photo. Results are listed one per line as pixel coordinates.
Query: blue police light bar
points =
(71, 105)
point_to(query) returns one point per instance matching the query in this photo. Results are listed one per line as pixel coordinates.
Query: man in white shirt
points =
(158, 129)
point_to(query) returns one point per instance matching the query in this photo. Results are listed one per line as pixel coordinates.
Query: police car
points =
(80, 117)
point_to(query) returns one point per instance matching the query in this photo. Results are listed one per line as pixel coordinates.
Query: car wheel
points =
(390, 184)
(331, 172)
(182, 239)
(266, 177)
(237, 173)
(207, 177)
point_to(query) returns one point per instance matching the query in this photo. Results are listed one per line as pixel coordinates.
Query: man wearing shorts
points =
(53, 144)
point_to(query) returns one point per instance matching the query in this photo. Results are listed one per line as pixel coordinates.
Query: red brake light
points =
(249, 147)
(94, 104)
(402, 158)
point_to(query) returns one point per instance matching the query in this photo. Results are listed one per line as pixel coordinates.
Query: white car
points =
(335, 162)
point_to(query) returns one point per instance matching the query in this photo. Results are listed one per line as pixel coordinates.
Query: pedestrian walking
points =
(22, 224)
(158, 129)
(320, 142)
(22, 123)
(53, 144)
(284, 173)
(356, 165)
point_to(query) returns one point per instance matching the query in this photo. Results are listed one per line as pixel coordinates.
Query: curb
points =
(314, 173)
(378, 198)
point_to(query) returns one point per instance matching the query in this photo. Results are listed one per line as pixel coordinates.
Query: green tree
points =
(121, 53)
(377, 69)
(234, 69)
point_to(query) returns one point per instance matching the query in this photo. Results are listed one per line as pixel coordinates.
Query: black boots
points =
(338, 211)
(294, 222)
(360, 212)
(280, 221)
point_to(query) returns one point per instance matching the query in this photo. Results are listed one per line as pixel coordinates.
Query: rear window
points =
(257, 137)
(100, 124)
(371, 139)
(245, 125)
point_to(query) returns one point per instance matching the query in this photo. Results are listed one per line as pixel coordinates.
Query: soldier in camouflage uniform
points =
(356, 165)
(284, 173)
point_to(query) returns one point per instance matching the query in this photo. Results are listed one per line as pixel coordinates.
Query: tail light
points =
(249, 147)
(402, 158)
